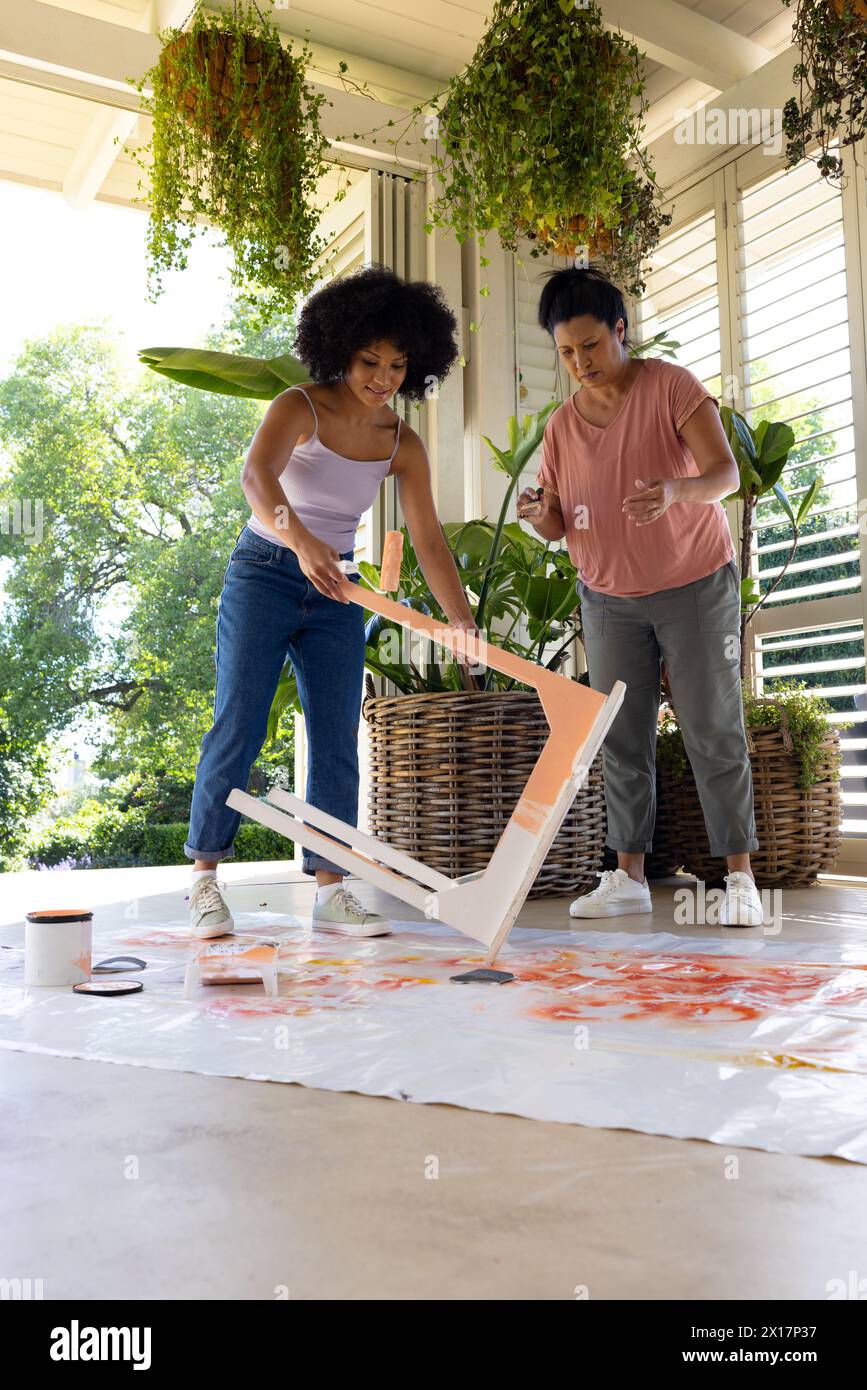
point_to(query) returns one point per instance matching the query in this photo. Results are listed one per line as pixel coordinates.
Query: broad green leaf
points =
(808, 499)
(740, 437)
(227, 373)
(751, 481)
(774, 440)
(783, 499)
(543, 598)
(504, 461)
(285, 697)
(474, 540)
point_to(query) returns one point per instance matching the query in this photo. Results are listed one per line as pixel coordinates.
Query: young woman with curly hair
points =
(314, 467)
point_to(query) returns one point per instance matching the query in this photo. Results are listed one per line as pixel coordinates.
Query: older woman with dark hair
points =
(314, 467)
(634, 466)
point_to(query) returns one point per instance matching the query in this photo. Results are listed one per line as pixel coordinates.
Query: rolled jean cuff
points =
(630, 846)
(215, 854)
(311, 862)
(723, 852)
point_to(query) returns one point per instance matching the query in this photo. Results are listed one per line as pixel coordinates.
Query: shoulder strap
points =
(312, 407)
(396, 439)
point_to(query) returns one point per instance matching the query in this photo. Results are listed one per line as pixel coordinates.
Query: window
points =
(793, 364)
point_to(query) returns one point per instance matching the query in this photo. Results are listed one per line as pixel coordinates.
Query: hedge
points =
(100, 837)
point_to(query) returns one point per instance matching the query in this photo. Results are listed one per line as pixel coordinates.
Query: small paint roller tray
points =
(234, 963)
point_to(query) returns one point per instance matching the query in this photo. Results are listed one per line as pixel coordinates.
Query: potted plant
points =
(795, 759)
(539, 137)
(832, 88)
(447, 764)
(761, 455)
(236, 142)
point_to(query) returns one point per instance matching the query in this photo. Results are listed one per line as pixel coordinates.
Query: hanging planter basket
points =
(829, 109)
(540, 136)
(446, 771)
(212, 101)
(858, 8)
(237, 144)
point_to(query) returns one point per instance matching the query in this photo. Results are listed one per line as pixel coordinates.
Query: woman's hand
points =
(652, 502)
(466, 663)
(320, 564)
(533, 505)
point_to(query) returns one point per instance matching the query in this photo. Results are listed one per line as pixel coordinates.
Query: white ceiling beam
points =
(46, 46)
(677, 162)
(685, 41)
(52, 42)
(107, 131)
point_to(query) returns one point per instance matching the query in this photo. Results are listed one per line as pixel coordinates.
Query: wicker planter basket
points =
(799, 832)
(446, 770)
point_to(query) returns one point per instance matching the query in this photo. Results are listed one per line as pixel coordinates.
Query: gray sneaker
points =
(344, 913)
(209, 915)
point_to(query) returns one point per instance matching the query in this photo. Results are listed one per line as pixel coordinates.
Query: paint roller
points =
(389, 573)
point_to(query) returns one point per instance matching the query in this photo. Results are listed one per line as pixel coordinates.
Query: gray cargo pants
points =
(695, 630)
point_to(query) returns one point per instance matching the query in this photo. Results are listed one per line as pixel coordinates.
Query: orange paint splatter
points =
(682, 989)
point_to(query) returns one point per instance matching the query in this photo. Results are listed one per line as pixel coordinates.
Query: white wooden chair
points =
(484, 905)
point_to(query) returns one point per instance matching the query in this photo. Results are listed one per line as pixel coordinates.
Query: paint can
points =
(57, 946)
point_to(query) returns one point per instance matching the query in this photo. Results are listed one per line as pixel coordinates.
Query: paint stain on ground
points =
(684, 989)
(559, 986)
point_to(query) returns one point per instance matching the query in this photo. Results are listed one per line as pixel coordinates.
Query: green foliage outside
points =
(108, 623)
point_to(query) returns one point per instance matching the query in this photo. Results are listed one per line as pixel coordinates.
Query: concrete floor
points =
(245, 1188)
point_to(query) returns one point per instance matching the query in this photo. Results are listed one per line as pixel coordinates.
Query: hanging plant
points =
(536, 136)
(236, 141)
(832, 77)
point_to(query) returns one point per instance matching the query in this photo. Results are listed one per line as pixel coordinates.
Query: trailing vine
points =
(539, 137)
(236, 141)
(832, 78)
(534, 139)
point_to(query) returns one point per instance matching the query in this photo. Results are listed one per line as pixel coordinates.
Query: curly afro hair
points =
(353, 311)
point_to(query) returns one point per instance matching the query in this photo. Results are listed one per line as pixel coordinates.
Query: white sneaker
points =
(618, 895)
(743, 906)
(343, 913)
(209, 915)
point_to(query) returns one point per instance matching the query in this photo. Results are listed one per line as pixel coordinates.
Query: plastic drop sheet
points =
(754, 1042)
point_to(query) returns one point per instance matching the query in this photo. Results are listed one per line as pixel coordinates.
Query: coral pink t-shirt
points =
(592, 469)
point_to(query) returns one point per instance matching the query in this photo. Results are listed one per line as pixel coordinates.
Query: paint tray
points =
(234, 963)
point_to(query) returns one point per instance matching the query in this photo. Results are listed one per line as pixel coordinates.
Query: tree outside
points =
(109, 620)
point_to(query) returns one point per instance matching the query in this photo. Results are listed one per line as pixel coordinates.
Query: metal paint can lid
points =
(61, 914)
(112, 987)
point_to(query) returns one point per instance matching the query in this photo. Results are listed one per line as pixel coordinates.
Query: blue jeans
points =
(269, 611)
